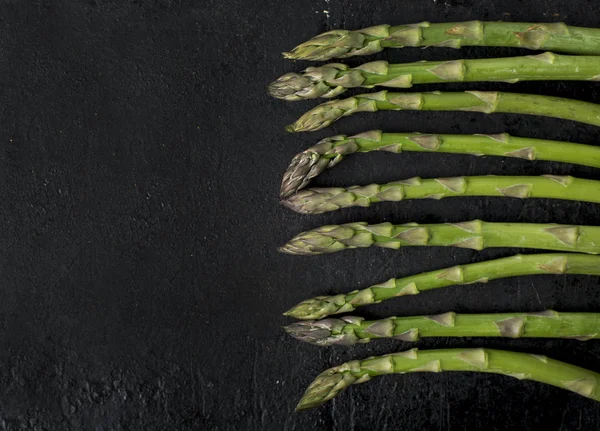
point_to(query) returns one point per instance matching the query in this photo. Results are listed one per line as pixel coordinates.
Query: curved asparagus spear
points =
(475, 235)
(549, 36)
(523, 366)
(330, 151)
(320, 200)
(352, 330)
(333, 79)
(481, 272)
(480, 101)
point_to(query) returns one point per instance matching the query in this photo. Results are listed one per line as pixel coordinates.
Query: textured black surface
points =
(140, 161)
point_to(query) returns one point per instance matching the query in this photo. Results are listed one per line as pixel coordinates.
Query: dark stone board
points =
(140, 161)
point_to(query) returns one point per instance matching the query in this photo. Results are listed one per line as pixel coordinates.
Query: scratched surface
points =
(140, 160)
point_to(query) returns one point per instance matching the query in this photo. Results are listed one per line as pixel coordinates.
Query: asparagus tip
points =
(312, 162)
(308, 331)
(313, 308)
(335, 44)
(314, 82)
(333, 238)
(284, 249)
(325, 387)
(303, 167)
(318, 201)
(326, 113)
(292, 87)
(288, 203)
(325, 332)
(296, 205)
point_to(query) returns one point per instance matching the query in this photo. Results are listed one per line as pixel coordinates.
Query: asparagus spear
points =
(548, 36)
(531, 264)
(333, 79)
(352, 330)
(320, 200)
(523, 366)
(330, 151)
(475, 234)
(480, 101)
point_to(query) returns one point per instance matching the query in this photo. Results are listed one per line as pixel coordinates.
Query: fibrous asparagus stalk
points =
(351, 330)
(333, 79)
(330, 151)
(482, 272)
(548, 36)
(522, 366)
(320, 200)
(480, 101)
(475, 235)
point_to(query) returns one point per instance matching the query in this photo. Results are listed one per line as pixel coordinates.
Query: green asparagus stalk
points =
(548, 36)
(351, 330)
(330, 151)
(333, 79)
(475, 234)
(522, 366)
(480, 101)
(482, 272)
(320, 200)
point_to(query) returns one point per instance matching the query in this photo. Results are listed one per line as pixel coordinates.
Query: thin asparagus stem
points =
(522, 366)
(333, 79)
(330, 151)
(556, 37)
(324, 199)
(481, 272)
(479, 101)
(351, 330)
(475, 235)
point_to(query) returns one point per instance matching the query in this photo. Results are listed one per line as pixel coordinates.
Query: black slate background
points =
(140, 160)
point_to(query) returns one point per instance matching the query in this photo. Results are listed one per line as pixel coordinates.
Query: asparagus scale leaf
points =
(481, 272)
(330, 151)
(323, 199)
(349, 330)
(522, 366)
(487, 102)
(475, 234)
(556, 37)
(333, 79)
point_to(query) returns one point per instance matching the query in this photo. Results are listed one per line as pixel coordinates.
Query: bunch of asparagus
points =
(579, 245)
